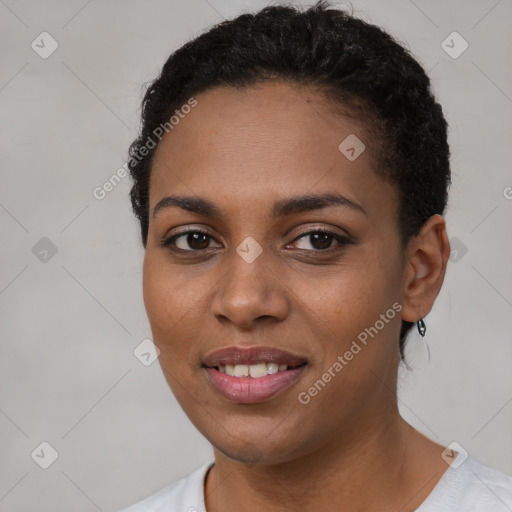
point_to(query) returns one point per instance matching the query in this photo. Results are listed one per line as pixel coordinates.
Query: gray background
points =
(70, 321)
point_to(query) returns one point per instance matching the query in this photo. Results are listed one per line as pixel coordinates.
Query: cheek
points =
(351, 295)
(166, 302)
(177, 309)
(350, 305)
(170, 308)
(156, 299)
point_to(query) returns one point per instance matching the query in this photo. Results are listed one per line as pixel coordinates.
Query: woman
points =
(290, 180)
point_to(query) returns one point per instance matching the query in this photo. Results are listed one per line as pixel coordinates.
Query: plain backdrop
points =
(70, 275)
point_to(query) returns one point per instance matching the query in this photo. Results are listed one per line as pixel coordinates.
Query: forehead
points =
(273, 140)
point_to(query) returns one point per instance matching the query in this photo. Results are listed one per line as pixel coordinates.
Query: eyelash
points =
(342, 241)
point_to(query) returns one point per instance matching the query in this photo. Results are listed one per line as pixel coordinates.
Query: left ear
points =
(425, 267)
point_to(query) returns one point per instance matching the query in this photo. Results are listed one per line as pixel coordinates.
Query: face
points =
(314, 285)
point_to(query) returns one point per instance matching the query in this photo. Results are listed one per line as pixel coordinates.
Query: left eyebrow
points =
(298, 204)
(281, 208)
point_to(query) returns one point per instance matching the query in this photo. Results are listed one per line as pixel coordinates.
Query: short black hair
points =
(357, 65)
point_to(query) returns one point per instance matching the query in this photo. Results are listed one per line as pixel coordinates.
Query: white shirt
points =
(470, 487)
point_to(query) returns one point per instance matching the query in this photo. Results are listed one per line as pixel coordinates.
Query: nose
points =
(250, 293)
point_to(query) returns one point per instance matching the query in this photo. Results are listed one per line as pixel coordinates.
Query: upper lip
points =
(251, 355)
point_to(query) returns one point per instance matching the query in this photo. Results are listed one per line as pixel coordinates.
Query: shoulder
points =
(470, 487)
(184, 495)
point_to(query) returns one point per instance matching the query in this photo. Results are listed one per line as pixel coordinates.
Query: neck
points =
(368, 469)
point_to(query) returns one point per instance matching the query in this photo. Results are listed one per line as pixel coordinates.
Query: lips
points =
(237, 373)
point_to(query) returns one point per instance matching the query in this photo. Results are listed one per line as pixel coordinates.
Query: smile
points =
(252, 375)
(252, 370)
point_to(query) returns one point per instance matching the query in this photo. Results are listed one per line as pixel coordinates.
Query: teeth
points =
(272, 368)
(258, 370)
(253, 370)
(241, 370)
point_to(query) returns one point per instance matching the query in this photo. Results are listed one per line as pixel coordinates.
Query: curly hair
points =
(360, 68)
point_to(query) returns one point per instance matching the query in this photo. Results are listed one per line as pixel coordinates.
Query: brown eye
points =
(321, 240)
(190, 241)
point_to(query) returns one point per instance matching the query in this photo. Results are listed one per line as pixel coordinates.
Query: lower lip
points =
(249, 390)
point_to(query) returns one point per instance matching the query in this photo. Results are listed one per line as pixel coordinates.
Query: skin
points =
(244, 150)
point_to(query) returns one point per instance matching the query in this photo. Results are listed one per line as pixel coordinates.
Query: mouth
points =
(254, 374)
(254, 371)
